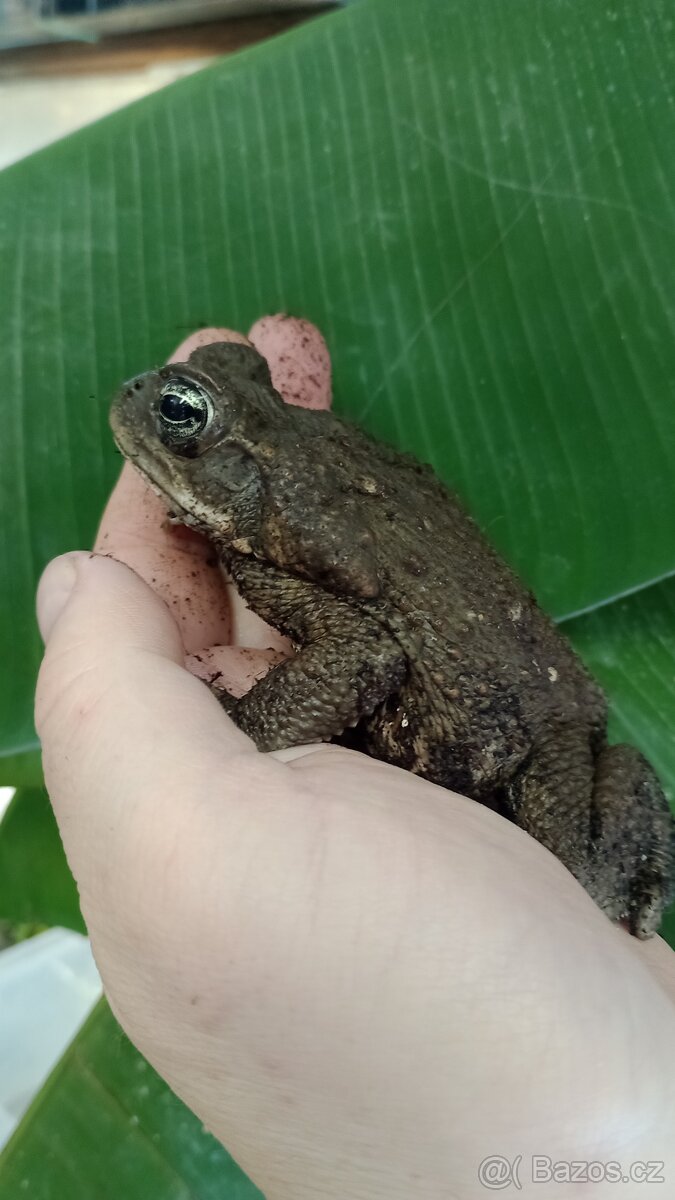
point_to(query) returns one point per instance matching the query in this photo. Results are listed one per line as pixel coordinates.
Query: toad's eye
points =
(184, 410)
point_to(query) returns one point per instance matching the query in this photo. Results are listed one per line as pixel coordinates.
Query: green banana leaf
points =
(473, 201)
(36, 885)
(105, 1126)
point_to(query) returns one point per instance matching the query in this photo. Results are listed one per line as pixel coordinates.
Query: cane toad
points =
(412, 634)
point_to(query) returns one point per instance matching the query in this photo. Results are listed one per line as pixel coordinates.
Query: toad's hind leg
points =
(606, 818)
(633, 836)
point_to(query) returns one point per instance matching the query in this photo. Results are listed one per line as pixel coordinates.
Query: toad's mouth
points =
(171, 487)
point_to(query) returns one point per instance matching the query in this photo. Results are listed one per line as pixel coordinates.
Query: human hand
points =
(363, 984)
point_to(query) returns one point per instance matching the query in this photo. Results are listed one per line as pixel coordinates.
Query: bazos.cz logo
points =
(497, 1172)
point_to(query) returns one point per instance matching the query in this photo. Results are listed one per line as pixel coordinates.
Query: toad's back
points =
(488, 671)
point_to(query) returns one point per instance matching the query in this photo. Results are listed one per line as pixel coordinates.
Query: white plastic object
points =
(48, 985)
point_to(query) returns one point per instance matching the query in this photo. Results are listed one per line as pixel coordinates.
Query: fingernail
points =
(55, 589)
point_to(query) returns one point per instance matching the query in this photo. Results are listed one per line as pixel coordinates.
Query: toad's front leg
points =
(346, 666)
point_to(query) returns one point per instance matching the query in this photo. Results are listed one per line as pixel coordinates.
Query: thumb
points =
(126, 731)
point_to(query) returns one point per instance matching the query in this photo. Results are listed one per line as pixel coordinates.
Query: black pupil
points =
(178, 410)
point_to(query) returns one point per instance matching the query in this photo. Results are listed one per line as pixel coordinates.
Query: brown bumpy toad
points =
(415, 642)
